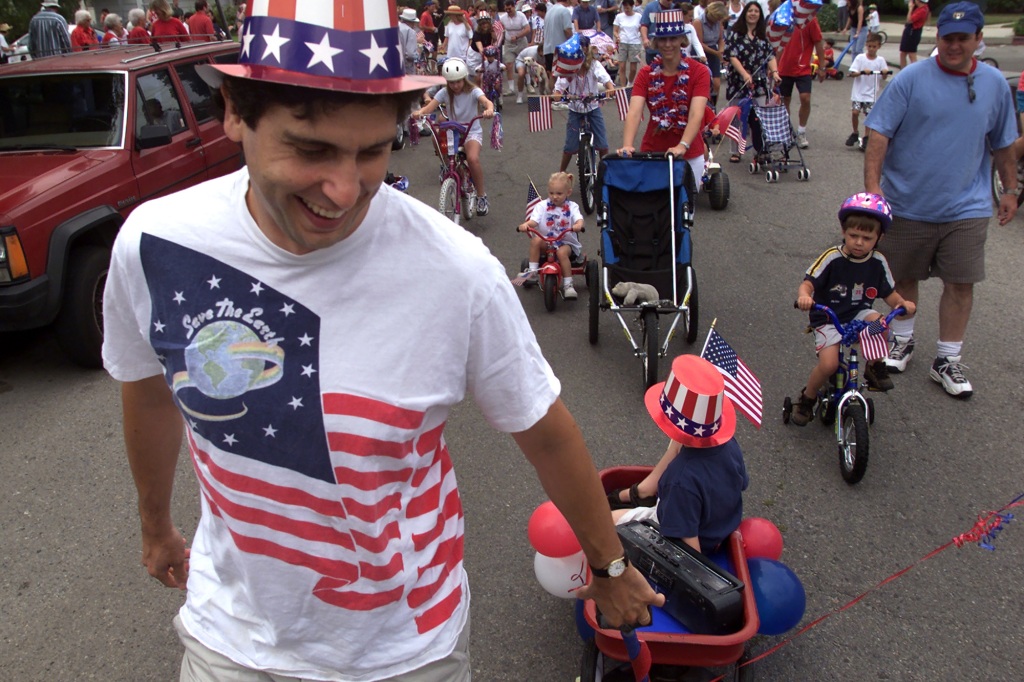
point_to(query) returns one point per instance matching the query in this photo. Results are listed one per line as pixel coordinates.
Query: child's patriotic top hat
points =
(691, 407)
(669, 22)
(342, 45)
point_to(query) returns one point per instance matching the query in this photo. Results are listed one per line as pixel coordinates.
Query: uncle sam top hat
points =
(339, 45)
(668, 23)
(690, 406)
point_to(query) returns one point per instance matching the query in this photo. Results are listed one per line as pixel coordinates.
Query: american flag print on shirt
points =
(741, 386)
(874, 342)
(539, 113)
(359, 491)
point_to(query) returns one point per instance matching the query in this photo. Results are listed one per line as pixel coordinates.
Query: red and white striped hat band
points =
(668, 23)
(347, 45)
(694, 407)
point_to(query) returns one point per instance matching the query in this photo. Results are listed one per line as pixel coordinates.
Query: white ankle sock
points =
(902, 328)
(949, 349)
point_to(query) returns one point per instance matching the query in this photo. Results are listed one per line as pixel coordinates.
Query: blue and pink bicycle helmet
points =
(872, 205)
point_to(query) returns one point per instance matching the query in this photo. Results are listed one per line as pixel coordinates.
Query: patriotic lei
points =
(668, 111)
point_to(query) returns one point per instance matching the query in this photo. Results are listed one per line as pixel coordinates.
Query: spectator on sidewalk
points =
(557, 29)
(200, 24)
(940, 194)
(917, 17)
(48, 32)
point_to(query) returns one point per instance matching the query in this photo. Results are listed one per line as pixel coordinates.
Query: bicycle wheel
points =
(550, 292)
(447, 204)
(468, 203)
(649, 344)
(991, 62)
(884, 36)
(594, 289)
(853, 449)
(588, 171)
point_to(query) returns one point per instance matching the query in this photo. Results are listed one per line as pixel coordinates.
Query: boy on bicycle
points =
(848, 278)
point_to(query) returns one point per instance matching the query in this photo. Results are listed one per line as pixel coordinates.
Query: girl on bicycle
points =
(462, 99)
(675, 88)
(588, 82)
(550, 218)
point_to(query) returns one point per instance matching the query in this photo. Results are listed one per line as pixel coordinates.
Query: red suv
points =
(84, 138)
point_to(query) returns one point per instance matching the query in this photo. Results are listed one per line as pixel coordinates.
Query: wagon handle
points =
(639, 654)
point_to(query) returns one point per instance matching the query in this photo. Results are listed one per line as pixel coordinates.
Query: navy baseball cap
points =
(960, 17)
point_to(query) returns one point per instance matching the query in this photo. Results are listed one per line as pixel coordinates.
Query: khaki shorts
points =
(954, 252)
(510, 51)
(201, 664)
(629, 53)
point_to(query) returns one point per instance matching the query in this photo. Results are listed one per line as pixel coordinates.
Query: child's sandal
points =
(616, 502)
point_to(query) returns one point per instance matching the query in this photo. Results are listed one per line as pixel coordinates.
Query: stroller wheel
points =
(768, 177)
(754, 167)
(802, 174)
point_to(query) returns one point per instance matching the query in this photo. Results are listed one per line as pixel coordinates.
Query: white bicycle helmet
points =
(454, 69)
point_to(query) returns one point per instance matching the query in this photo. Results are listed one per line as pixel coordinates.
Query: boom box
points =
(699, 594)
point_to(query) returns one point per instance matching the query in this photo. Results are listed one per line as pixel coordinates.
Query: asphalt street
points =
(77, 605)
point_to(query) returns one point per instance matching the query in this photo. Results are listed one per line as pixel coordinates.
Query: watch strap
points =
(604, 573)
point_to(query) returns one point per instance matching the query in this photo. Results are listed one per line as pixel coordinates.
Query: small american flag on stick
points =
(539, 111)
(741, 386)
(532, 199)
(622, 102)
(874, 343)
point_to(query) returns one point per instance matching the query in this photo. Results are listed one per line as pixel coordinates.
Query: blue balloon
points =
(779, 594)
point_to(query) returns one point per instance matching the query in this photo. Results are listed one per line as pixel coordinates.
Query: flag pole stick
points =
(710, 329)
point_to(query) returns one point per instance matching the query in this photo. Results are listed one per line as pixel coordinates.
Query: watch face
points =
(616, 568)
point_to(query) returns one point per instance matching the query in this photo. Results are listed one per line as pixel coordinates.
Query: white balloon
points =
(561, 575)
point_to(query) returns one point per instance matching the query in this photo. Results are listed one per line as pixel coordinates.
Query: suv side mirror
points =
(151, 136)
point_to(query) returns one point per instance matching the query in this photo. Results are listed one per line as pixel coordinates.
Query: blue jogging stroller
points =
(645, 216)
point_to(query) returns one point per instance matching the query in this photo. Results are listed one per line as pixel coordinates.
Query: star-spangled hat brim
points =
(214, 74)
(652, 399)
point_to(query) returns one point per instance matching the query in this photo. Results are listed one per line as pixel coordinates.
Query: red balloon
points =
(761, 538)
(550, 533)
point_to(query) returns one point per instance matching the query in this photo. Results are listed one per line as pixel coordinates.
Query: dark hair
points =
(540, 7)
(740, 25)
(862, 221)
(201, 5)
(252, 99)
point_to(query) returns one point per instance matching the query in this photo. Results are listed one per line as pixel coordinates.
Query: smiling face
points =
(753, 14)
(669, 47)
(311, 180)
(956, 50)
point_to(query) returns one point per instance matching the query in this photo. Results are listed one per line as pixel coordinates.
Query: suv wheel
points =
(79, 325)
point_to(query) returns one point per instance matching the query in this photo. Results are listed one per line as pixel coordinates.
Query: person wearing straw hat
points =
(408, 25)
(4, 47)
(330, 543)
(701, 477)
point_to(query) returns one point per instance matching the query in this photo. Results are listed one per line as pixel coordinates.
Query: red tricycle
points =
(549, 275)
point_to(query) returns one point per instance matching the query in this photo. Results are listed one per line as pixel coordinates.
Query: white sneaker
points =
(801, 141)
(519, 98)
(950, 373)
(569, 292)
(900, 353)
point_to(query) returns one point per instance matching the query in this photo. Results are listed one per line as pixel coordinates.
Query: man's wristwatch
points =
(1011, 192)
(612, 570)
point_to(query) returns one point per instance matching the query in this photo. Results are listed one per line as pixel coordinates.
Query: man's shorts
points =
(828, 335)
(572, 131)
(803, 84)
(954, 251)
(549, 61)
(629, 53)
(862, 107)
(510, 51)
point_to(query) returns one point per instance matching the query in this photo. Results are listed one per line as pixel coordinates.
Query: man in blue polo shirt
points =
(650, 9)
(928, 154)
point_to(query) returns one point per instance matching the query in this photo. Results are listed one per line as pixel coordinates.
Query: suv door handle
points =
(194, 142)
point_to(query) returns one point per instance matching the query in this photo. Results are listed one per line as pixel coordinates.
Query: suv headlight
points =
(13, 265)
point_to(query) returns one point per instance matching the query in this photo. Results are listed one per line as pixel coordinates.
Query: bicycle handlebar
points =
(554, 238)
(834, 319)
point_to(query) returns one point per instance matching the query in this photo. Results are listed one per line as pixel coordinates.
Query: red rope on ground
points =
(988, 525)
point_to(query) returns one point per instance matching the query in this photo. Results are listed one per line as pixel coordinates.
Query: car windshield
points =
(62, 110)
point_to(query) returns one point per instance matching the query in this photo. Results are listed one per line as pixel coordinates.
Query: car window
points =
(229, 58)
(62, 110)
(156, 103)
(197, 91)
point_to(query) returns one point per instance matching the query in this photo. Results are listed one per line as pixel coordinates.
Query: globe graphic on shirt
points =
(226, 360)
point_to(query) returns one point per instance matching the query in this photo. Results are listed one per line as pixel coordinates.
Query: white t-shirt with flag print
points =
(331, 539)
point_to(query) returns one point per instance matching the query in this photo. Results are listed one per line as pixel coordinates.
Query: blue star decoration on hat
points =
(783, 16)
